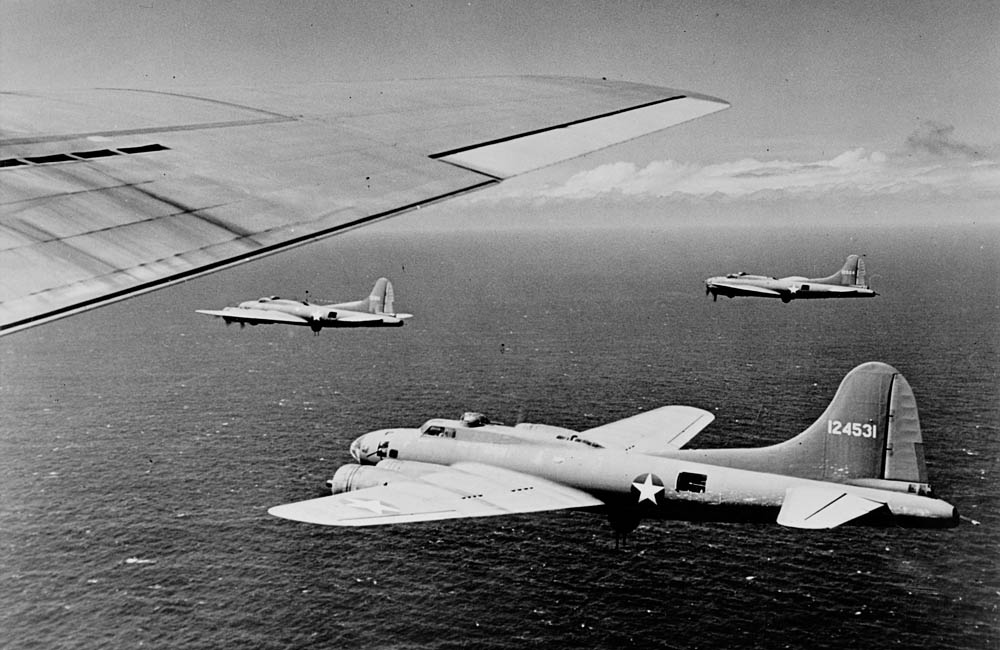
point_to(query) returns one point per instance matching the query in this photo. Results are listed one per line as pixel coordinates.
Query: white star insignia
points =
(371, 505)
(648, 489)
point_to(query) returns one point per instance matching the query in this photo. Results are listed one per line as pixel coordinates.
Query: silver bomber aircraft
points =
(861, 462)
(849, 282)
(374, 311)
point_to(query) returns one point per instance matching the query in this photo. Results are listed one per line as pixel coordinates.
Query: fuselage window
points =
(690, 482)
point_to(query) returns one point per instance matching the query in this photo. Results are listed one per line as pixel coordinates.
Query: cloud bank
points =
(931, 162)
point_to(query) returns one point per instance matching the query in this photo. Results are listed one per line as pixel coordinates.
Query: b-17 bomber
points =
(861, 462)
(849, 282)
(374, 311)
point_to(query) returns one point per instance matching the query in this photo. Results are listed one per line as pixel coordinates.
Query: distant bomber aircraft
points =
(849, 282)
(861, 462)
(373, 311)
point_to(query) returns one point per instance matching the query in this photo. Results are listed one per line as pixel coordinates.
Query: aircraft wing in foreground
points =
(861, 462)
(851, 281)
(107, 193)
(374, 311)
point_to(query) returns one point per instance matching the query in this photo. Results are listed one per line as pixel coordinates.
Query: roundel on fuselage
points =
(647, 488)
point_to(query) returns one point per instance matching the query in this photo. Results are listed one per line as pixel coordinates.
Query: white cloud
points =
(853, 173)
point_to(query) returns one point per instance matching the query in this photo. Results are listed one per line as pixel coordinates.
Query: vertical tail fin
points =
(868, 434)
(869, 431)
(381, 298)
(852, 274)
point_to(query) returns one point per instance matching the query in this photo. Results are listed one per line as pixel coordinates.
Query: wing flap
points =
(462, 490)
(816, 508)
(665, 429)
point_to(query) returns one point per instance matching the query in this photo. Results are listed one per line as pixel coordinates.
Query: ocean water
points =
(141, 444)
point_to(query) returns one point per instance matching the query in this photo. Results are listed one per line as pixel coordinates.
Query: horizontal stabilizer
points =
(358, 317)
(255, 316)
(661, 430)
(453, 492)
(814, 507)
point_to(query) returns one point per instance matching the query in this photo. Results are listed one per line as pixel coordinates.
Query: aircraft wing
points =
(107, 193)
(254, 316)
(836, 288)
(812, 507)
(746, 288)
(457, 491)
(667, 428)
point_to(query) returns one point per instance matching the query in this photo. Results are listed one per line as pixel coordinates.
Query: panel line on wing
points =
(41, 139)
(207, 100)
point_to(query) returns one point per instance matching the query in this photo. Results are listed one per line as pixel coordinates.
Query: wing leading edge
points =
(118, 192)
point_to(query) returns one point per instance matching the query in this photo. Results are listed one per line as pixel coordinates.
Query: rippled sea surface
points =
(142, 444)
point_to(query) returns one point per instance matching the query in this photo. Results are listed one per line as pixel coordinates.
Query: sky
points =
(892, 104)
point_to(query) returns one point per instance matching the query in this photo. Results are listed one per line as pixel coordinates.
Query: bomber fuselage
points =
(651, 486)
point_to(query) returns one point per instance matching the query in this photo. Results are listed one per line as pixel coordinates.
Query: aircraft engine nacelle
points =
(357, 477)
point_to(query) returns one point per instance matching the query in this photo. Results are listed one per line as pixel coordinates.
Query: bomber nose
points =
(365, 448)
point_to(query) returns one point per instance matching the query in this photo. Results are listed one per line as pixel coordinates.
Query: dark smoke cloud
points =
(936, 139)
